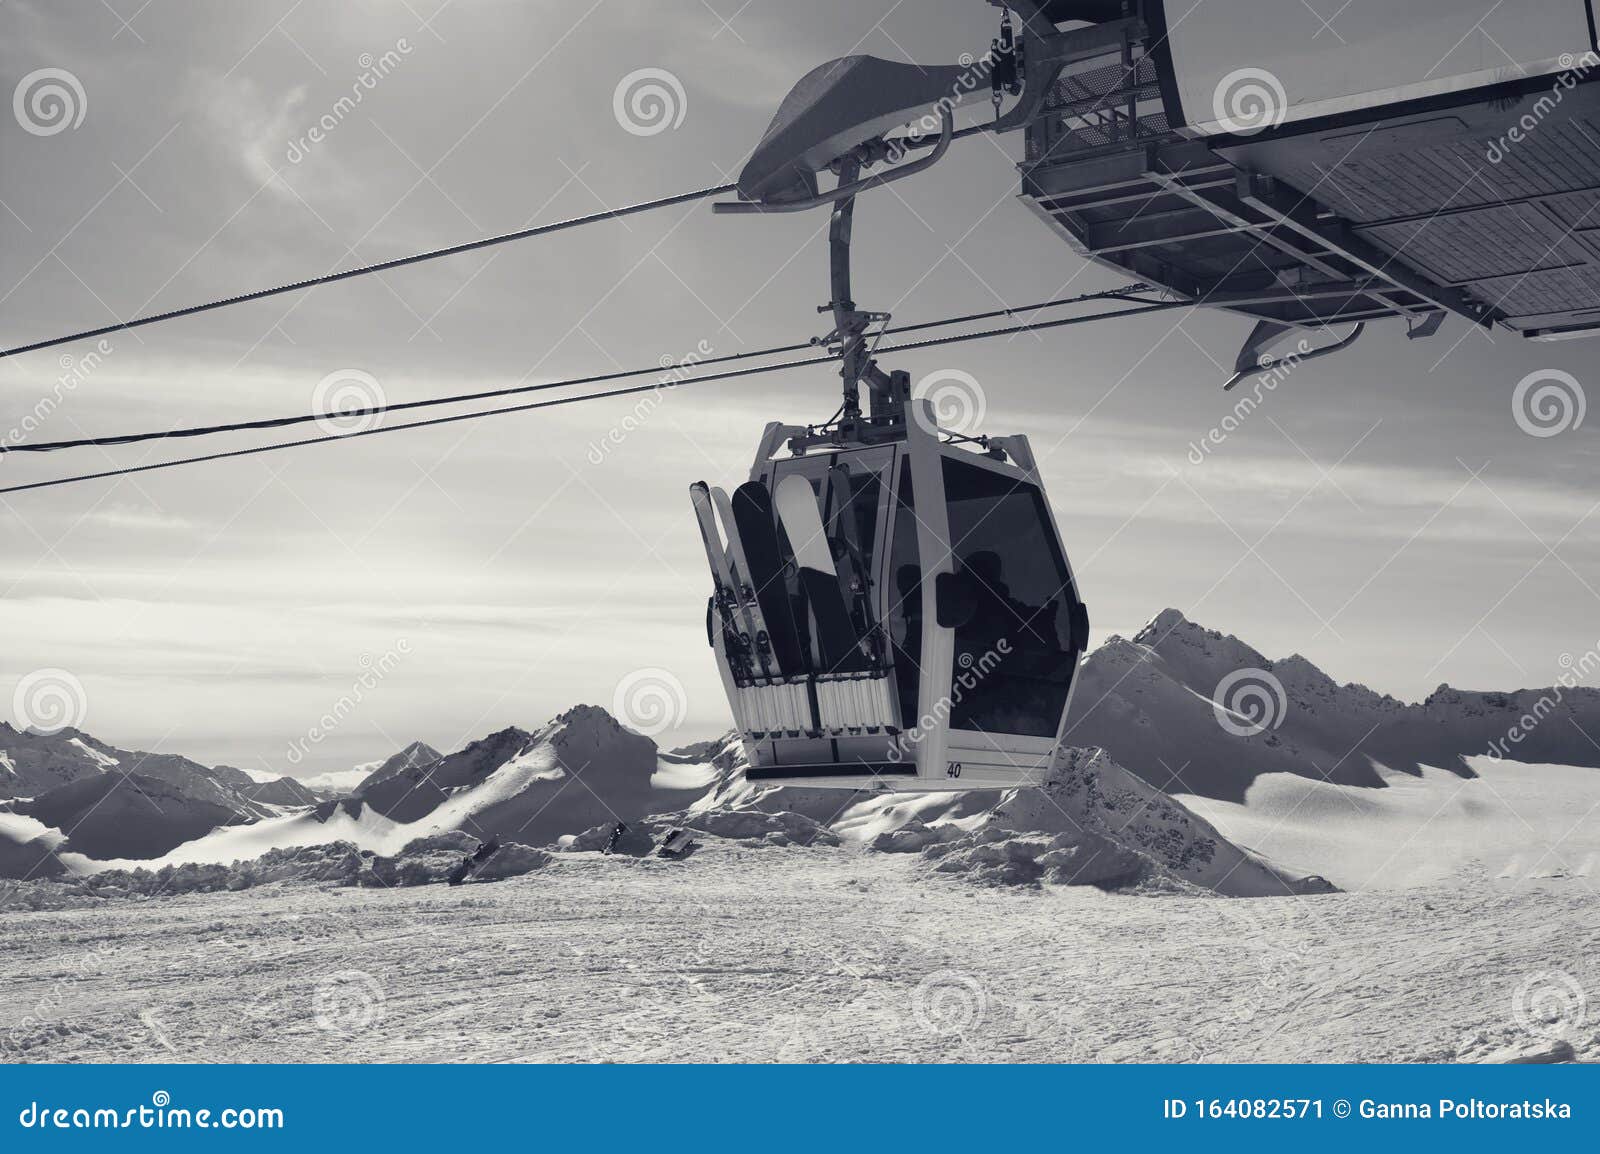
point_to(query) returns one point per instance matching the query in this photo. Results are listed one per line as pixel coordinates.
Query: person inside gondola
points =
(1005, 652)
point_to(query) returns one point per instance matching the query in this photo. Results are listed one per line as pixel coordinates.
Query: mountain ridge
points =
(1158, 704)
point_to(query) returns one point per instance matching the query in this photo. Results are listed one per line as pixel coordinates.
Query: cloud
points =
(126, 516)
(252, 126)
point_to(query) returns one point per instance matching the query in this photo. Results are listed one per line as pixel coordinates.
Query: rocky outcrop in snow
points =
(426, 861)
(1090, 823)
(750, 826)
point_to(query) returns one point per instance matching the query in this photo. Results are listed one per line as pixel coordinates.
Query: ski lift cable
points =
(417, 258)
(908, 346)
(381, 266)
(1127, 293)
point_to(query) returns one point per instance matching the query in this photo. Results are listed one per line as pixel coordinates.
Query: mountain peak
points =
(419, 752)
(587, 732)
(1163, 623)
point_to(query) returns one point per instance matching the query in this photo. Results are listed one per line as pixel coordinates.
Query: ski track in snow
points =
(790, 955)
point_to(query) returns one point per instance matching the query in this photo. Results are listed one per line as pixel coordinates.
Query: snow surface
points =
(762, 954)
(1512, 821)
(101, 761)
(21, 829)
(682, 775)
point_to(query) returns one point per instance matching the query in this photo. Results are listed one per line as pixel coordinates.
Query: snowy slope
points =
(28, 847)
(746, 954)
(1511, 821)
(330, 822)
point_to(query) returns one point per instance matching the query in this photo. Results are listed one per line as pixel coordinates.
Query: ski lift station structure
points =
(893, 607)
(1432, 157)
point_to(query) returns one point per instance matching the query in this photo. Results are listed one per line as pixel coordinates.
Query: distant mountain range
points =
(33, 764)
(1178, 707)
(1152, 703)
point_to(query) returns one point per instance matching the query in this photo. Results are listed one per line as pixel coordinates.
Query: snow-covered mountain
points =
(266, 788)
(581, 768)
(127, 816)
(341, 783)
(33, 764)
(1152, 703)
(1164, 707)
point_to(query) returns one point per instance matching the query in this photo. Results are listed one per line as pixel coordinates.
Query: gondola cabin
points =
(893, 612)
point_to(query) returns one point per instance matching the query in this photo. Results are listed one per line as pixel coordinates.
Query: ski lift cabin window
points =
(1014, 654)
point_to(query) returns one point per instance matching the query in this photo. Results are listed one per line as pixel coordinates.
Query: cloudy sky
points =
(1382, 513)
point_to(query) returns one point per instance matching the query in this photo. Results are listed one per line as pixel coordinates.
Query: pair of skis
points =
(838, 646)
(767, 637)
(854, 692)
(763, 661)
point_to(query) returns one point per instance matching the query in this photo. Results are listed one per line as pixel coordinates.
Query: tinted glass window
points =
(1014, 658)
(905, 600)
(860, 504)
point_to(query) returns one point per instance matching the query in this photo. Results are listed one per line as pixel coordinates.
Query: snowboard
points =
(838, 645)
(758, 534)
